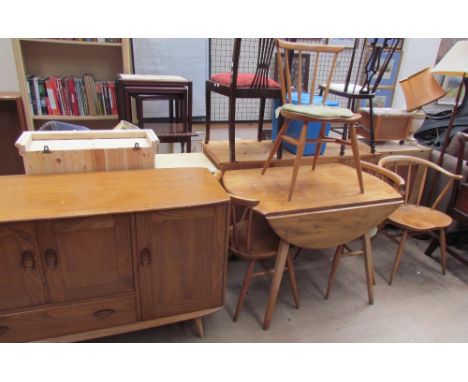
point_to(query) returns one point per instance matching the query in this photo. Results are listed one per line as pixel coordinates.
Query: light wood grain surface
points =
(36, 197)
(332, 185)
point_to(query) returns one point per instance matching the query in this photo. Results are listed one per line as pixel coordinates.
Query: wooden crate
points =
(46, 152)
(389, 124)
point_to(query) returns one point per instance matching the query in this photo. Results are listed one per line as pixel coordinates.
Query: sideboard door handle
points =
(145, 256)
(27, 259)
(103, 313)
(4, 329)
(50, 258)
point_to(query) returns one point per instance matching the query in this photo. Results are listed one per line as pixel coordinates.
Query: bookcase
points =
(69, 58)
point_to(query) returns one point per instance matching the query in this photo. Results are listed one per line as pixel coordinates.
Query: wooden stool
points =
(159, 87)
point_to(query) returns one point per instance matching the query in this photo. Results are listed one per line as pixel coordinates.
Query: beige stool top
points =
(151, 77)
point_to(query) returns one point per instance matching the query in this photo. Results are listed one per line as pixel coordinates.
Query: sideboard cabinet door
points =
(181, 258)
(86, 257)
(21, 278)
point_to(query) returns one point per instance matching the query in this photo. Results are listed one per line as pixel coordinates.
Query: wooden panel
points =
(325, 229)
(12, 124)
(87, 257)
(182, 259)
(21, 278)
(100, 193)
(66, 319)
(329, 185)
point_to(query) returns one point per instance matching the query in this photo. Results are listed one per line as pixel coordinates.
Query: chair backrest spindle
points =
(285, 48)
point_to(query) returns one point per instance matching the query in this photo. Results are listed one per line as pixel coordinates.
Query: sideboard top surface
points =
(39, 197)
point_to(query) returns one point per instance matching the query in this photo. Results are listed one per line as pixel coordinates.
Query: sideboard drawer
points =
(67, 319)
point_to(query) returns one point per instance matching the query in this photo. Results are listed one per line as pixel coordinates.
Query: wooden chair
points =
(343, 250)
(411, 217)
(378, 59)
(243, 85)
(310, 113)
(252, 239)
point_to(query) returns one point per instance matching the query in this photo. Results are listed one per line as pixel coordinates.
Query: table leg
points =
(281, 257)
(369, 264)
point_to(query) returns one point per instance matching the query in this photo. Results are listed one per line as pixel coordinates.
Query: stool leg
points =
(260, 118)
(297, 162)
(276, 145)
(208, 114)
(139, 107)
(171, 110)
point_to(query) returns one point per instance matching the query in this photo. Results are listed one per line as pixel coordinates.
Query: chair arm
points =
(397, 179)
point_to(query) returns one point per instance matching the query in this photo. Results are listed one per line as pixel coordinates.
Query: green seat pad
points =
(319, 111)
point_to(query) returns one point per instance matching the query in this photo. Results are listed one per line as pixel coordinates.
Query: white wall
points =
(418, 53)
(8, 77)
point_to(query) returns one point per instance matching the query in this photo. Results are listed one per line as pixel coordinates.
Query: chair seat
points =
(352, 88)
(264, 242)
(244, 80)
(419, 218)
(318, 111)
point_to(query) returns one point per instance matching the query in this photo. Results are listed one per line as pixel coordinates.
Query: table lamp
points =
(420, 89)
(455, 64)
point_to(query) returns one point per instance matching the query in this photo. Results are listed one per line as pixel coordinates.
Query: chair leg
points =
(139, 110)
(232, 128)
(276, 145)
(208, 114)
(369, 264)
(245, 287)
(261, 116)
(357, 160)
(331, 278)
(443, 250)
(318, 145)
(292, 279)
(199, 325)
(297, 161)
(398, 256)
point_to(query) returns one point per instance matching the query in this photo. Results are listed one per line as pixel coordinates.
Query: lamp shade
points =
(421, 89)
(455, 62)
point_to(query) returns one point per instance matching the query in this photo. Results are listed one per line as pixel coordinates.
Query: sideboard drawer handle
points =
(27, 259)
(4, 329)
(103, 313)
(50, 258)
(145, 256)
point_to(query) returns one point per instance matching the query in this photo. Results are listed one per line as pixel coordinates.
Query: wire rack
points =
(248, 109)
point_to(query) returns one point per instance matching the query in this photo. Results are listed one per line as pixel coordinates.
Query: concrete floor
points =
(422, 305)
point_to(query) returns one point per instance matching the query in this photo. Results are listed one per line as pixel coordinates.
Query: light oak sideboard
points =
(90, 255)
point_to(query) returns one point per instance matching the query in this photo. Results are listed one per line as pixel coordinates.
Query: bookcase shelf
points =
(69, 58)
(72, 42)
(111, 117)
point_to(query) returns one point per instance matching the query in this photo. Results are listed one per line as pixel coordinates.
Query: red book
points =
(51, 99)
(73, 99)
(112, 97)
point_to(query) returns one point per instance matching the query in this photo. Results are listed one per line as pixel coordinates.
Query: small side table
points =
(144, 87)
